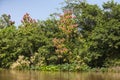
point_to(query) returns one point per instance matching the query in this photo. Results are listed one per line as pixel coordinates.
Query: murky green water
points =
(37, 75)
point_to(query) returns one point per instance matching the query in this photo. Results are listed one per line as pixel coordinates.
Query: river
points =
(38, 75)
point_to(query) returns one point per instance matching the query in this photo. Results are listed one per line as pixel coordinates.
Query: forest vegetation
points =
(84, 37)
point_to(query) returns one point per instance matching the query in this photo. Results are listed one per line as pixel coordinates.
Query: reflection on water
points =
(37, 75)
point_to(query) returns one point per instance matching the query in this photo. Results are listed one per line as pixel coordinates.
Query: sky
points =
(38, 9)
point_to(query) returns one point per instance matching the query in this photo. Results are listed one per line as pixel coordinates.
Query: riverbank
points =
(80, 69)
(70, 68)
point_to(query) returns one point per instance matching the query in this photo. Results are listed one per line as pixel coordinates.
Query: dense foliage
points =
(85, 36)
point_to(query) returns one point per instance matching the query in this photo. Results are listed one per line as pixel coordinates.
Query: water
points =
(38, 75)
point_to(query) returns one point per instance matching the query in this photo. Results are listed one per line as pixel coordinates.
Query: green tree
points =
(100, 31)
(7, 46)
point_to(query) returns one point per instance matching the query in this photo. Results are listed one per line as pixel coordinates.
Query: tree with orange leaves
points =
(68, 28)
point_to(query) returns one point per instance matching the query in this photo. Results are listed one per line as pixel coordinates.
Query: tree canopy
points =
(84, 36)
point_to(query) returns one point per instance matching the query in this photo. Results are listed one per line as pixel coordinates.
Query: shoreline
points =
(56, 69)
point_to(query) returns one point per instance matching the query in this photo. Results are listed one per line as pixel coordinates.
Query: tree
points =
(65, 43)
(7, 46)
(5, 21)
(28, 21)
(100, 31)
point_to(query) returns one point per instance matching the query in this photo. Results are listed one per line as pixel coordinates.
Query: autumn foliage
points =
(67, 23)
